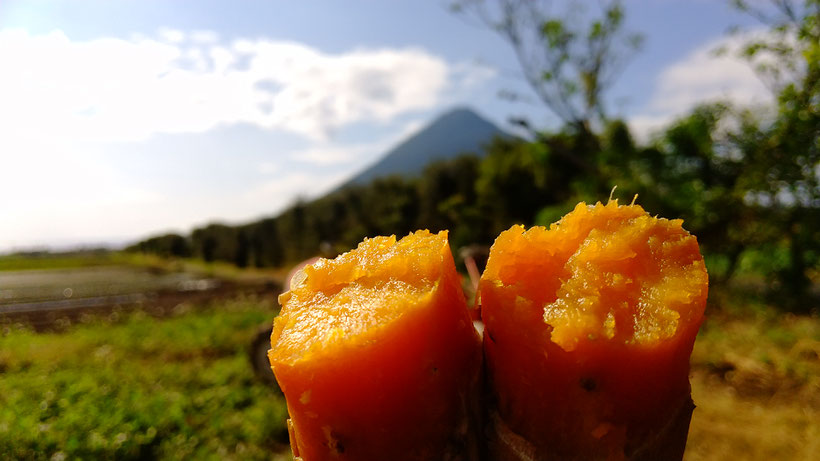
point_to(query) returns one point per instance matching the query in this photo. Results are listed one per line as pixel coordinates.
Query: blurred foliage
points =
(570, 56)
(744, 180)
(168, 245)
(756, 382)
(182, 388)
(35, 260)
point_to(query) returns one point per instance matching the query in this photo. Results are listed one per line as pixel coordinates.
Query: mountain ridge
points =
(459, 130)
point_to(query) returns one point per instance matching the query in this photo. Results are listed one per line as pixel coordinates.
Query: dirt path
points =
(58, 314)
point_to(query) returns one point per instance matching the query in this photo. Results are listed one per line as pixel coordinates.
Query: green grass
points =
(217, 269)
(177, 388)
(157, 264)
(54, 261)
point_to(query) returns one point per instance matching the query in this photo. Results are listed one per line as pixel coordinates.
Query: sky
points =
(125, 119)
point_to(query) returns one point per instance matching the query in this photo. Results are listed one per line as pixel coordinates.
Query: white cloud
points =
(698, 78)
(204, 36)
(267, 168)
(46, 198)
(471, 74)
(112, 89)
(643, 127)
(334, 154)
(171, 35)
(39, 181)
(279, 192)
(67, 107)
(326, 153)
(282, 187)
(702, 76)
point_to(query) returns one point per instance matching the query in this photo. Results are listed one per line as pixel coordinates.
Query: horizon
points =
(165, 118)
(115, 245)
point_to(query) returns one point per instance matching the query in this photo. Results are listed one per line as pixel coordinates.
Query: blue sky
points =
(123, 119)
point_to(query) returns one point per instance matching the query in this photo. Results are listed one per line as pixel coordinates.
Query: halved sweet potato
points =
(589, 326)
(377, 356)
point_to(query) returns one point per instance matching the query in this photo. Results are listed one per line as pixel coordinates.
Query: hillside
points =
(458, 131)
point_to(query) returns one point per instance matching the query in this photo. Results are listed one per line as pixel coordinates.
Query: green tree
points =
(513, 184)
(448, 199)
(784, 174)
(215, 242)
(297, 232)
(264, 246)
(392, 206)
(168, 245)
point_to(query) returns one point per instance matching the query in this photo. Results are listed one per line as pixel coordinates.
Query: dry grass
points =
(726, 426)
(756, 384)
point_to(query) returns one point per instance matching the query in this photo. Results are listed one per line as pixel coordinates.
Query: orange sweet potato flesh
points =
(377, 356)
(589, 326)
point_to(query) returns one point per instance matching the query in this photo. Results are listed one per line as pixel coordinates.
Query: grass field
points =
(183, 388)
(142, 388)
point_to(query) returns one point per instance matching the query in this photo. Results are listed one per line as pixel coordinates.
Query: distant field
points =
(52, 291)
(46, 261)
(86, 281)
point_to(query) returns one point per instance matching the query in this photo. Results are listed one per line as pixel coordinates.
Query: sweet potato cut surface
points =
(589, 326)
(377, 356)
